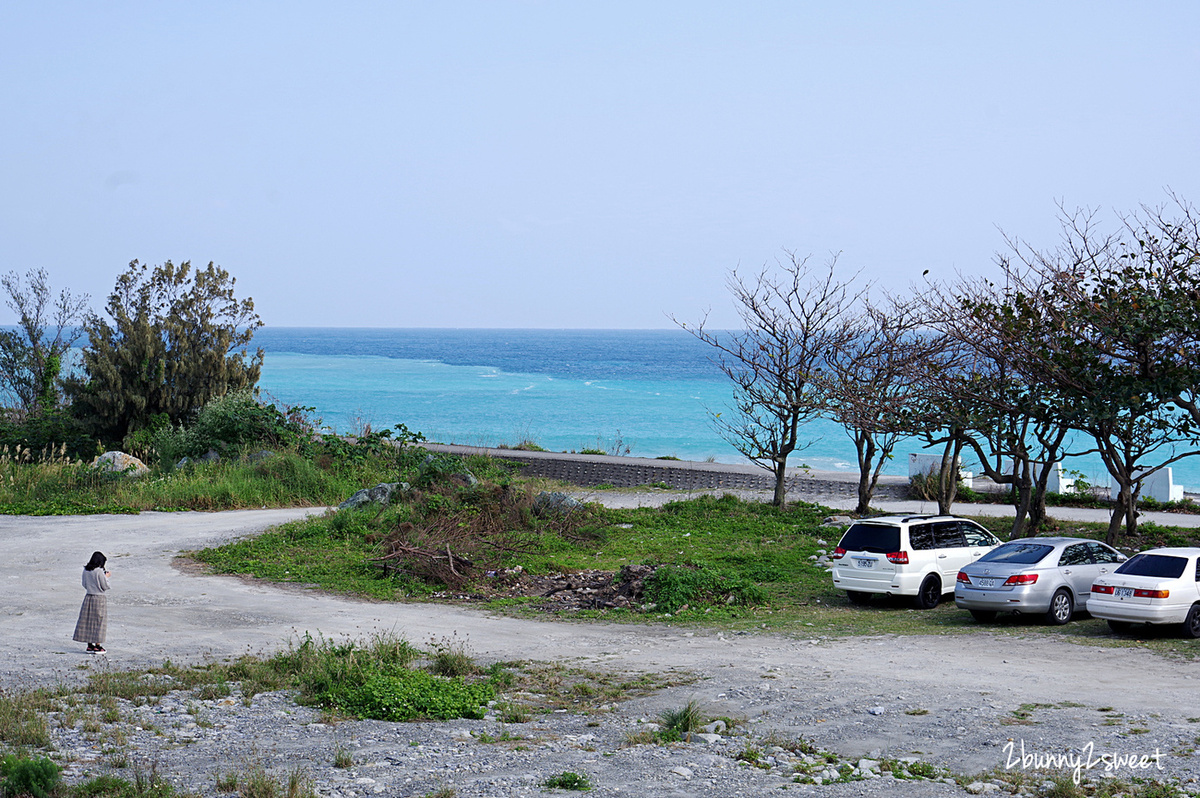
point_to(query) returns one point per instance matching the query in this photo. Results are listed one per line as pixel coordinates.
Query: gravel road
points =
(954, 701)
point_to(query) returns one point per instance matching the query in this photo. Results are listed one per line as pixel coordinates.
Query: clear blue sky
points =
(572, 164)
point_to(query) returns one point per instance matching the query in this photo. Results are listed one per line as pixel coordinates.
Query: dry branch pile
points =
(466, 530)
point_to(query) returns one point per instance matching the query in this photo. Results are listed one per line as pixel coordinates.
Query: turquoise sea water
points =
(563, 389)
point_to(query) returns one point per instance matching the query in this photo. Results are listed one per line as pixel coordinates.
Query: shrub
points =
(44, 432)
(413, 695)
(670, 587)
(36, 777)
(227, 424)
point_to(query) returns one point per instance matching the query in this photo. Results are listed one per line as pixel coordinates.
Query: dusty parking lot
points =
(953, 700)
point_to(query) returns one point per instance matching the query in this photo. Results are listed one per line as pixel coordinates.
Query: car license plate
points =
(1123, 592)
(985, 581)
(864, 563)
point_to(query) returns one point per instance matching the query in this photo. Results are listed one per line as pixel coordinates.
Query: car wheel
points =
(1062, 607)
(1191, 626)
(983, 616)
(930, 593)
(858, 597)
(1120, 627)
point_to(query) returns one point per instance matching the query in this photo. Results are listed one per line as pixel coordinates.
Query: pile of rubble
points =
(583, 590)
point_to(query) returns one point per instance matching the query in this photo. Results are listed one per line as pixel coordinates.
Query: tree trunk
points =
(780, 469)
(1118, 516)
(948, 477)
(1021, 526)
(866, 480)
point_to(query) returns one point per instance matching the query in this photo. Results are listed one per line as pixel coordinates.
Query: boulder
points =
(120, 463)
(380, 494)
(555, 503)
(210, 456)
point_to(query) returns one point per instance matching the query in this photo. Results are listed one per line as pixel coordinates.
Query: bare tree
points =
(794, 317)
(871, 382)
(47, 327)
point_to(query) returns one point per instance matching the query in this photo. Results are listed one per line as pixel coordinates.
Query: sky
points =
(573, 164)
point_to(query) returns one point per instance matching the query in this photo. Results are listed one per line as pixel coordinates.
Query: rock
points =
(837, 520)
(868, 765)
(716, 727)
(707, 738)
(210, 456)
(975, 788)
(380, 494)
(686, 772)
(555, 503)
(262, 454)
(876, 710)
(120, 463)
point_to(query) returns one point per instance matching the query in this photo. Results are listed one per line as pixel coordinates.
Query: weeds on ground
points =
(569, 781)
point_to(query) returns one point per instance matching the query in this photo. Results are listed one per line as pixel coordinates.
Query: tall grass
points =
(282, 479)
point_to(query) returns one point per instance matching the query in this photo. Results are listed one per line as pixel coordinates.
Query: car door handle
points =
(942, 556)
(1066, 570)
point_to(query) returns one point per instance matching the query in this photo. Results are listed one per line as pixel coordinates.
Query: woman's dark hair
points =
(97, 561)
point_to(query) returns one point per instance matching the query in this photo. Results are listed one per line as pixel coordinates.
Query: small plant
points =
(568, 781)
(512, 712)
(916, 711)
(922, 769)
(342, 758)
(441, 792)
(450, 658)
(211, 692)
(684, 720)
(227, 782)
(751, 753)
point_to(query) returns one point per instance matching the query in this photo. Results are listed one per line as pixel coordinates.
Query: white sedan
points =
(1156, 586)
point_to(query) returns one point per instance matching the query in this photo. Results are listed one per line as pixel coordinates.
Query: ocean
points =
(649, 391)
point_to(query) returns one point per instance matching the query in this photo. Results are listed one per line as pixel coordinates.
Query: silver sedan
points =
(1051, 577)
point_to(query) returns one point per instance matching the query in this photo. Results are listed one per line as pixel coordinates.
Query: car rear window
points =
(871, 537)
(1163, 565)
(1017, 553)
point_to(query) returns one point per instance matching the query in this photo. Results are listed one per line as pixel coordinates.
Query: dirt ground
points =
(855, 695)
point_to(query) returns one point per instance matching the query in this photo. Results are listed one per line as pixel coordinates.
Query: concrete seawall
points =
(590, 471)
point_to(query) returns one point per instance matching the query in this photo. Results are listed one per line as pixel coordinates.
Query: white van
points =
(907, 555)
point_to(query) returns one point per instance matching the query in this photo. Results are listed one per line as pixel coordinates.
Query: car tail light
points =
(1020, 579)
(1151, 593)
(898, 557)
(1102, 589)
(838, 553)
(962, 577)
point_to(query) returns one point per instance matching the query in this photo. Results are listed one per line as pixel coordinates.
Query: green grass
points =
(719, 542)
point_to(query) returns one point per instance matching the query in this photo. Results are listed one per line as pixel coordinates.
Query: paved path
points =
(812, 687)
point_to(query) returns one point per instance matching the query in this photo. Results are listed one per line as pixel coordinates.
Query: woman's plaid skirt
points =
(93, 620)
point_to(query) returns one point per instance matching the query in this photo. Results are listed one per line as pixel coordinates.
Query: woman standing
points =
(93, 615)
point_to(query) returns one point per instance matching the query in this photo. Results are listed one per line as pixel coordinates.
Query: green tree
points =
(1108, 326)
(177, 339)
(31, 356)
